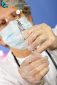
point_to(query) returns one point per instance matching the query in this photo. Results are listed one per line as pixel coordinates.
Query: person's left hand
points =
(41, 38)
(34, 68)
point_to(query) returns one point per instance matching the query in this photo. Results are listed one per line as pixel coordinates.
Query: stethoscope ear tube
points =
(16, 60)
(53, 61)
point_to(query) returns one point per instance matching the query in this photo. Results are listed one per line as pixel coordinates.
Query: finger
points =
(39, 68)
(34, 36)
(27, 33)
(33, 57)
(39, 75)
(43, 46)
(37, 42)
(32, 74)
(43, 73)
(36, 63)
(39, 62)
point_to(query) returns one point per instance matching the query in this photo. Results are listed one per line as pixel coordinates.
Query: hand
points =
(41, 38)
(34, 68)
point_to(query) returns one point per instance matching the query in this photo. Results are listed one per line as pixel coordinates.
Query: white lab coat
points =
(9, 74)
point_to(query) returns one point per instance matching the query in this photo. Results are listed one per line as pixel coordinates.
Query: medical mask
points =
(12, 33)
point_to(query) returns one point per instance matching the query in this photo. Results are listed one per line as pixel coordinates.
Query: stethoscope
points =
(50, 56)
(53, 61)
(16, 60)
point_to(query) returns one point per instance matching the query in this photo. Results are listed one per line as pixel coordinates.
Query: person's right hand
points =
(34, 68)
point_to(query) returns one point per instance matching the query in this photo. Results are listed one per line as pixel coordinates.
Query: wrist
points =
(54, 45)
(41, 82)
